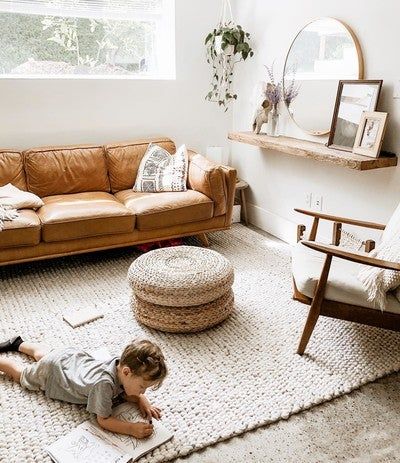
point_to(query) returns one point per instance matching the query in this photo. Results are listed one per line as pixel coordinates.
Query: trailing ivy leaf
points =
(208, 38)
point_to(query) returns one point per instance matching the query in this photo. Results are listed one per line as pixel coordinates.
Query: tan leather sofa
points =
(89, 204)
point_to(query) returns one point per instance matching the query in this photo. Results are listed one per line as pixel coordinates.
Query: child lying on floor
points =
(74, 376)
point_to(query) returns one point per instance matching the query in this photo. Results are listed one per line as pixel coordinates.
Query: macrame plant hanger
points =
(226, 9)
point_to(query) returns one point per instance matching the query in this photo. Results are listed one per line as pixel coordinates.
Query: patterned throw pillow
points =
(161, 171)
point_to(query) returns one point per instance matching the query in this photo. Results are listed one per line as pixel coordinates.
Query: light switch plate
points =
(396, 91)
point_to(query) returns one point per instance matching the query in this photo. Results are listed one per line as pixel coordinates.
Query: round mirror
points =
(322, 53)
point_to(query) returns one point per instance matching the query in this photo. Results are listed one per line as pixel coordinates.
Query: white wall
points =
(280, 182)
(45, 112)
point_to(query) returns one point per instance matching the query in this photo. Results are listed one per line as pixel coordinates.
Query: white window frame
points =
(165, 38)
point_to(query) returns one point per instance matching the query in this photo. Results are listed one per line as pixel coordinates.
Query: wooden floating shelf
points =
(313, 150)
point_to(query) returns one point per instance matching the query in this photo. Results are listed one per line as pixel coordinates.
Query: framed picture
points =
(371, 131)
(353, 98)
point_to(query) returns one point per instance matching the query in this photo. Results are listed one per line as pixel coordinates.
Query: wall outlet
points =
(317, 202)
(308, 200)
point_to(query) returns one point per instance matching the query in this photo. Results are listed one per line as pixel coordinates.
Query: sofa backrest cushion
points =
(63, 170)
(12, 169)
(123, 160)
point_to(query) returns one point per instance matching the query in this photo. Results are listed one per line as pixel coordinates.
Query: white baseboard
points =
(277, 226)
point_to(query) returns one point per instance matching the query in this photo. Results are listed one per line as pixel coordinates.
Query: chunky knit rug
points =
(238, 376)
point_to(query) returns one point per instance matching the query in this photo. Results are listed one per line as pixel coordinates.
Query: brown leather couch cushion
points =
(209, 179)
(160, 210)
(54, 171)
(123, 160)
(12, 169)
(80, 215)
(22, 231)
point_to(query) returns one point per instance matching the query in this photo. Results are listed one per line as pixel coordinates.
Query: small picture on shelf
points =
(353, 98)
(370, 134)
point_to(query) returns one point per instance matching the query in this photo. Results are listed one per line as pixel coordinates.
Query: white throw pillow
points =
(161, 171)
(18, 199)
(378, 281)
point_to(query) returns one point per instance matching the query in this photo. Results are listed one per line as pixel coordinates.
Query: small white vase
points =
(273, 121)
(229, 50)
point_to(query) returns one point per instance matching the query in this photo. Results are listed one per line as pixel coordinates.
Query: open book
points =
(88, 443)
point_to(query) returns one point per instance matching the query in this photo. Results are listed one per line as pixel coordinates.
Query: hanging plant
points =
(227, 45)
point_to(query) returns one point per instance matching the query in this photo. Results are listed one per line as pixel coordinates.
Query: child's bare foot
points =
(11, 345)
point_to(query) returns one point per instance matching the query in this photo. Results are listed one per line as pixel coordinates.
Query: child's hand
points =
(141, 430)
(147, 410)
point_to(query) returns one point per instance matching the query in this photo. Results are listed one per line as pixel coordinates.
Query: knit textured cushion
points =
(160, 171)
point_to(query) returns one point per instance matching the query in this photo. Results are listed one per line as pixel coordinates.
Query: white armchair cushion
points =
(343, 284)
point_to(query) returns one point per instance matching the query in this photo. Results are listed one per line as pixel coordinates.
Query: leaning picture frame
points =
(370, 134)
(353, 98)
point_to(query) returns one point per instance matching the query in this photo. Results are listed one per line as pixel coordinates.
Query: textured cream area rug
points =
(223, 382)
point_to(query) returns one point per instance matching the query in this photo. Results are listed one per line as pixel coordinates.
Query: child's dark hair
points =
(144, 358)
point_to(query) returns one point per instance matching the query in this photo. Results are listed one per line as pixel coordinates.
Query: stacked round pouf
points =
(181, 289)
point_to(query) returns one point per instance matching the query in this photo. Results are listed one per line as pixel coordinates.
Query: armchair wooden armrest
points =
(359, 257)
(337, 226)
(332, 218)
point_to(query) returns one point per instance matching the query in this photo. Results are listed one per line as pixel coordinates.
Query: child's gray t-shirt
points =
(75, 376)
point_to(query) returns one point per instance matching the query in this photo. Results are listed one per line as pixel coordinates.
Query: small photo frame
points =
(370, 134)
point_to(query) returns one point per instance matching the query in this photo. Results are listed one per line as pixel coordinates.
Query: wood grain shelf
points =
(313, 150)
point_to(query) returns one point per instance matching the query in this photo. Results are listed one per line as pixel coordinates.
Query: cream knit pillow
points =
(377, 281)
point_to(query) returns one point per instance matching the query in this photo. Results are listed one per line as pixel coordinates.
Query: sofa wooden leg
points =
(315, 308)
(202, 237)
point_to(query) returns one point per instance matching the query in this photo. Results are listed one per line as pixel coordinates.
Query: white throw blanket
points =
(7, 213)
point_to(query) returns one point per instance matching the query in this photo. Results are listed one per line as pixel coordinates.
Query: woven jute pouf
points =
(184, 319)
(181, 289)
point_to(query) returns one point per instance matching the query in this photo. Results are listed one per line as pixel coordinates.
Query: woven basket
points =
(183, 320)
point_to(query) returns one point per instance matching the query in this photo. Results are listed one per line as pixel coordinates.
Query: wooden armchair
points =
(335, 291)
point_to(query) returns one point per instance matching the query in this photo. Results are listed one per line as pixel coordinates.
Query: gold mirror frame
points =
(360, 67)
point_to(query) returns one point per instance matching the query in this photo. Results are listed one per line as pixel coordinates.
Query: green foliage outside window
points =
(75, 45)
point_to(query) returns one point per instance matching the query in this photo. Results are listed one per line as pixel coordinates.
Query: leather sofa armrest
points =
(216, 182)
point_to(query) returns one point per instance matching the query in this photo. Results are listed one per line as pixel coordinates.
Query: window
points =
(87, 38)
